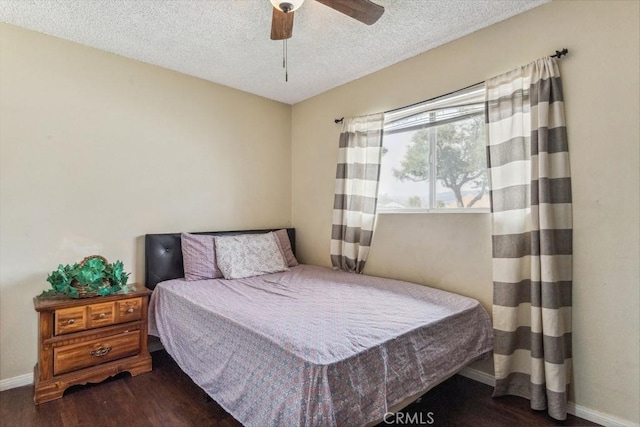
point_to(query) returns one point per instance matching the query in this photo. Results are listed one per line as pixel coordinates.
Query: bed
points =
(309, 346)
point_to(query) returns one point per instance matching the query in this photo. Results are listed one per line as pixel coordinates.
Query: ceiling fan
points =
(364, 11)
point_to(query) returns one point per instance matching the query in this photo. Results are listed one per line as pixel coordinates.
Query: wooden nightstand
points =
(90, 339)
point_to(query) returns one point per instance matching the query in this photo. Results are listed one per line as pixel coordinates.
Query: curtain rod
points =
(559, 54)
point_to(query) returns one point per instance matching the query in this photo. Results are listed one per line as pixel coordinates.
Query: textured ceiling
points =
(227, 41)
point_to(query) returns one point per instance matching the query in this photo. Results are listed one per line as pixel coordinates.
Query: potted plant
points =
(93, 276)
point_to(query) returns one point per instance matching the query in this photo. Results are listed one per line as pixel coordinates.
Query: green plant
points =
(93, 276)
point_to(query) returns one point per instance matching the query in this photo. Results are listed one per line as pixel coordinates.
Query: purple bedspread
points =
(313, 346)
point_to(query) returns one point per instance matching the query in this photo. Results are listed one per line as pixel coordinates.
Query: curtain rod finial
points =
(560, 53)
(336, 121)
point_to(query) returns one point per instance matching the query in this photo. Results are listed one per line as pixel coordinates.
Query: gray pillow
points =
(285, 247)
(199, 257)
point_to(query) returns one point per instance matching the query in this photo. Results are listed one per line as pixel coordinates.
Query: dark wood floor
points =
(167, 397)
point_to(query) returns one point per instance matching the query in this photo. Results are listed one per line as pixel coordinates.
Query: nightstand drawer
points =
(101, 314)
(95, 352)
(129, 310)
(70, 320)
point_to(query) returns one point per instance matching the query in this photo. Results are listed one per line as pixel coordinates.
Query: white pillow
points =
(246, 255)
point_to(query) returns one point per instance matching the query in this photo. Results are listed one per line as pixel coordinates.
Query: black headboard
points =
(163, 253)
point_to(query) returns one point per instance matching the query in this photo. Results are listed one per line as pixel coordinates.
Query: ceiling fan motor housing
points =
(364, 11)
(287, 6)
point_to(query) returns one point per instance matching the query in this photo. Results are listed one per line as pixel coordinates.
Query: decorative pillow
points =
(199, 257)
(282, 239)
(247, 255)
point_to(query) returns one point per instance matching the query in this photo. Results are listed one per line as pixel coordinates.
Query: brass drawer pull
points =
(130, 310)
(71, 321)
(102, 315)
(100, 351)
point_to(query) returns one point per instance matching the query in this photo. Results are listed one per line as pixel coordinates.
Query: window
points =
(434, 155)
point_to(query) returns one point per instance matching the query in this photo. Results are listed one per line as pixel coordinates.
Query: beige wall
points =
(453, 251)
(96, 150)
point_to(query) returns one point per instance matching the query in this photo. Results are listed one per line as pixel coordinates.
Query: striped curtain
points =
(532, 235)
(354, 203)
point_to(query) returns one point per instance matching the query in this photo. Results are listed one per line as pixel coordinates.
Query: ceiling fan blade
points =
(281, 25)
(364, 11)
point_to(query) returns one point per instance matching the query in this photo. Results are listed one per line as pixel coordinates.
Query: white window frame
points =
(471, 95)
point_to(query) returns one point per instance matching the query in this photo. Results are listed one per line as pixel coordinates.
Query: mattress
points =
(313, 346)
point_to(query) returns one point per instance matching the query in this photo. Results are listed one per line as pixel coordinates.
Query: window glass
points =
(434, 155)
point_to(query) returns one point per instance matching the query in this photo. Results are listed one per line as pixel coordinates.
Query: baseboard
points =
(154, 344)
(15, 382)
(572, 408)
(598, 417)
(476, 375)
